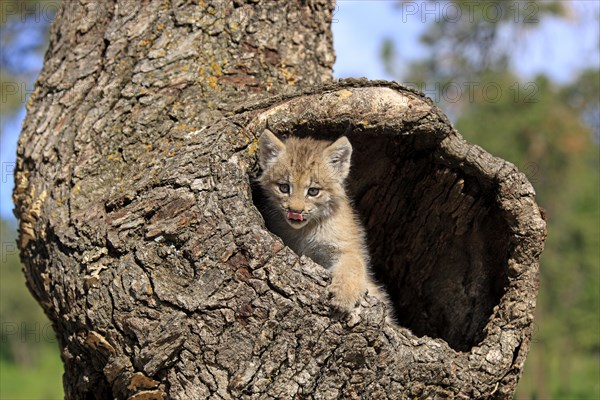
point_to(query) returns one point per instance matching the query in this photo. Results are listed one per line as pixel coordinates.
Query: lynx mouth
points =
(295, 217)
(296, 220)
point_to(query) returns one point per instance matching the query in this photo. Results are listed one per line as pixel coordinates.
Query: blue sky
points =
(555, 47)
(552, 46)
(359, 28)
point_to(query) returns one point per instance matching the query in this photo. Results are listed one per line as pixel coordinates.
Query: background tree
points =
(551, 132)
(30, 366)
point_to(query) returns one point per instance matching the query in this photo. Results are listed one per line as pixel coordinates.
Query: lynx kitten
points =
(303, 181)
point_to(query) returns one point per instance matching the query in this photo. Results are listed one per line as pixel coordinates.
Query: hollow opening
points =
(437, 239)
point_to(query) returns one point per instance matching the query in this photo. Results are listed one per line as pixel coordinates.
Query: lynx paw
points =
(345, 293)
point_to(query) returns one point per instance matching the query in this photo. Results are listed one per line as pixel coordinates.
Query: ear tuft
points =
(270, 148)
(338, 155)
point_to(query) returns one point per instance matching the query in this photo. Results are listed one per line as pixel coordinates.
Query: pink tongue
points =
(295, 216)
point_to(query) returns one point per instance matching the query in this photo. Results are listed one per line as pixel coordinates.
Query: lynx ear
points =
(270, 148)
(338, 156)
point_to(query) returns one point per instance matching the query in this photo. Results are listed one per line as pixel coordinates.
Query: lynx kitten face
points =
(303, 178)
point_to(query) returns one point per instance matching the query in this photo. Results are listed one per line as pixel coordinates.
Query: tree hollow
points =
(439, 239)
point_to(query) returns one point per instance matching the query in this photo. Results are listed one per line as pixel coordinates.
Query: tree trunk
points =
(141, 235)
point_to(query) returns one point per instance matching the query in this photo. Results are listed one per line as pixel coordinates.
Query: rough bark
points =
(141, 238)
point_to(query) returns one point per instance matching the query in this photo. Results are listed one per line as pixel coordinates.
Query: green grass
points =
(559, 374)
(40, 381)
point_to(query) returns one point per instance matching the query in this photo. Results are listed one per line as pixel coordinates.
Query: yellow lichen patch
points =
(210, 73)
(289, 75)
(215, 69)
(343, 94)
(253, 147)
(238, 140)
(213, 82)
(114, 157)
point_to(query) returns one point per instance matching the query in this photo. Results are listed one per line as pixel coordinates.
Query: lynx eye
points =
(284, 188)
(313, 191)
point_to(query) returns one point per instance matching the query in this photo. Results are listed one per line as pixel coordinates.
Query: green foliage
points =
(41, 380)
(28, 345)
(23, 32)
(10, 93)
(30, 366)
